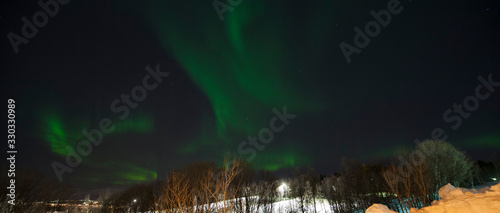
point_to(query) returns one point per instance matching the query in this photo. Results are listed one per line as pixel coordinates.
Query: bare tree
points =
(244, 189)
(265, 190)
(414, 190)
(446, 163)
(201, 188)
(178, 195)
(221, 192)
(416, 183)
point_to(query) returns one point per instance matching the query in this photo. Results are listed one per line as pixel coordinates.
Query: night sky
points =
(228, 78)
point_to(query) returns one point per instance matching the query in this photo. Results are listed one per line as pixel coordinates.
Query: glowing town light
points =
(282, 189)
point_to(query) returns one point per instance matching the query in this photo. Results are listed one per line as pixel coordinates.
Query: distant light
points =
(135, 200)
(494, 179)
(282, 189)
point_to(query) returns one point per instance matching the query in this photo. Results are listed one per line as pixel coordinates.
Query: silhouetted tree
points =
(33, 190)
(432, 165)
(207, 185)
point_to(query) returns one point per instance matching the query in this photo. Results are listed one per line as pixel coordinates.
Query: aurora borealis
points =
(226, 77)
(241, 80)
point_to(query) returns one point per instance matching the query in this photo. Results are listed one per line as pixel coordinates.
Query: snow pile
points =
(379, 208)
(457, 200)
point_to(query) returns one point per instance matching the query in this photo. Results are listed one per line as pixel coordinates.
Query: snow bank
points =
(457, 200)
(379, 208)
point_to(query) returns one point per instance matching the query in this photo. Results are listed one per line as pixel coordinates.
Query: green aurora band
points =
(119, 173)
(60, 133)
(490, 140)
(239, 65)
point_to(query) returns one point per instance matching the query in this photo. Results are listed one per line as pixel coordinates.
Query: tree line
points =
(411, 181)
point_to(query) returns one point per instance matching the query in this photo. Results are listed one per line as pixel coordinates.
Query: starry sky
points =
(235, 67)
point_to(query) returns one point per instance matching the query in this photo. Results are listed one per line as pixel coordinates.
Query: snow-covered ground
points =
(453, 200)
(322, 206)
(457, 200)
